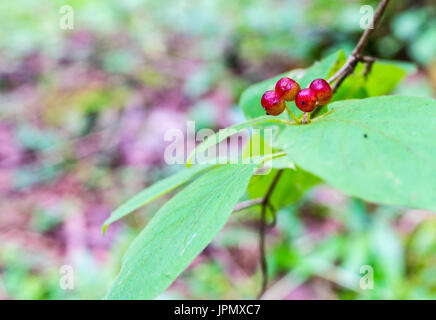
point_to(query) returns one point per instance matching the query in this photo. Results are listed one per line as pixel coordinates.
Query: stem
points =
(292, 115)
(363, 41)
(273, 156)
(274, 216)
(279, 121)
(369, 61)
(263, 264)
(316, 111)
(356, 55)
(262, 228)
(247, 204)
(306, 118)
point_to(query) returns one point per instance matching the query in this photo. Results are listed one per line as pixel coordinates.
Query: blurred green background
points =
(82, 118)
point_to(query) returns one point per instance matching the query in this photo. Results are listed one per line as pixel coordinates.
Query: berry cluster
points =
(318, 93)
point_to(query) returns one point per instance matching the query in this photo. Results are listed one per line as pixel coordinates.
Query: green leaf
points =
(381, 149)
(155, 191)
(227, 132)
(181, 229)
(385, 75)
(250, 99)
(292, 185)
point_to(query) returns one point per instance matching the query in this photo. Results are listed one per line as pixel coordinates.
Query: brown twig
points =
(356, 55)
(274, 218)
(369, 61)
(265, 204)
(247, 204)
(304, 120)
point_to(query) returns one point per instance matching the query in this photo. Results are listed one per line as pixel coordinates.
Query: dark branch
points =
(262, 228)
(367, 34)
(247, 204)
(356, 55)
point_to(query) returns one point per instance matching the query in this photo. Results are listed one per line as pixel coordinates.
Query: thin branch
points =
(247, 204)
(262, 228)
(305, 117)
(274, 216)
(367, 34)
(369, 61)
(263, 264)
(356, 55)
(271, 187)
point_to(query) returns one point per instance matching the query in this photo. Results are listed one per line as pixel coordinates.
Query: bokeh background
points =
(82, 118)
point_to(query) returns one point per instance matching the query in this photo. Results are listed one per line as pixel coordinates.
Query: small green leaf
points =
(155, 191)
(181, 229)
(381, 149)
(385, 75)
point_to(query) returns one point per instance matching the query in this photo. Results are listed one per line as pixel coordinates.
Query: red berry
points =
(306, 100)
(287, 88)
(322, 90)
(273, 103)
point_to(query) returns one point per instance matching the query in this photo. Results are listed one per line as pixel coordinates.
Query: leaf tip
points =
(104, 228)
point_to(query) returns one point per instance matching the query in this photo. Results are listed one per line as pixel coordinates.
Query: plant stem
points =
(273, 156)
(247, 204)
(356, 55)
(292, 115)
(263, 264)
(280, 121)
(262, 228)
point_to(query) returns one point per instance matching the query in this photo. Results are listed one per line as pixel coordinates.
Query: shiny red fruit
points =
(273, 103)
(287, 88)
(322, 90)
(306, 100)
